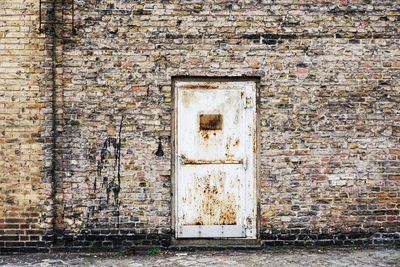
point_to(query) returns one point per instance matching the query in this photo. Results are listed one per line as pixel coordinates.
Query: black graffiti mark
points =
(111, 151)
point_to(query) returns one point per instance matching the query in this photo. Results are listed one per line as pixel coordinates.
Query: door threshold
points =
(211, 243)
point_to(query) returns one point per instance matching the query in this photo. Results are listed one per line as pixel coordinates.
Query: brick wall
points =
(328, 101)
(25, 129)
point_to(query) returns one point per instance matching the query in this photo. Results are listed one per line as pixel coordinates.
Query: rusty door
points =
(215, 143)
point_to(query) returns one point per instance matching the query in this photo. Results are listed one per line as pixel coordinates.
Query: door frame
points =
(174, 140)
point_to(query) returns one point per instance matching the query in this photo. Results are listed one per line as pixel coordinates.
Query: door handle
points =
(245, 163)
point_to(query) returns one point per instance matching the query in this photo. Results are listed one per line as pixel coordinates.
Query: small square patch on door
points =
(210, 122)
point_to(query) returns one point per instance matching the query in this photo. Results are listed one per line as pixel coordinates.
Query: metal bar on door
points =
(201, 162)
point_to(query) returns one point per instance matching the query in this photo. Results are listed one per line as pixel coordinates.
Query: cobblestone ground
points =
(314, 257)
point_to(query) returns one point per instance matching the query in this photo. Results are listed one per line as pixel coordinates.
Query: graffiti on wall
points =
(109, 168)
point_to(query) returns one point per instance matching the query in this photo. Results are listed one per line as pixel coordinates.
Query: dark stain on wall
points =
(110, 157)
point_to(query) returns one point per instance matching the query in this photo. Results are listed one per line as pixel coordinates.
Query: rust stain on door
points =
(199, 86)
(215, 205)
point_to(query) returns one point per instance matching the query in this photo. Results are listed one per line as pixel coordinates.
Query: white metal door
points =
(215, 159)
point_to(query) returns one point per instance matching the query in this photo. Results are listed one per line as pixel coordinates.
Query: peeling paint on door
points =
(215, 169)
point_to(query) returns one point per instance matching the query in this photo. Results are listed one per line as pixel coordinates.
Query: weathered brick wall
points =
(25, 129)
(328, 102)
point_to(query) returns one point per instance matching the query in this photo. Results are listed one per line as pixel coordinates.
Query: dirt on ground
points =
(268, 257)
